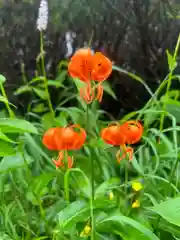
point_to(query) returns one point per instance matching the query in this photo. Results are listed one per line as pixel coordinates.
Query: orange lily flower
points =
(90, 68)
(63, 139)
(119, 135)
(133, 130)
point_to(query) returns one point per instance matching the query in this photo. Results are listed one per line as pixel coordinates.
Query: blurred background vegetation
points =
(134, 34)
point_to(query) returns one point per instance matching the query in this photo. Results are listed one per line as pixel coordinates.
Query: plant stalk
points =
(169, 81)
(92, 180)
(44, 74)
(11, 113)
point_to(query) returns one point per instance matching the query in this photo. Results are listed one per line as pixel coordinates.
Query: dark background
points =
(133, 33)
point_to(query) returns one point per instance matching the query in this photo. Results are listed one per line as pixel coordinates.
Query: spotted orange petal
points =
(80, 137)
(48, 139)
(101, 67)
(133, 130)
(68, 139)
(80, 64)
(112, 135)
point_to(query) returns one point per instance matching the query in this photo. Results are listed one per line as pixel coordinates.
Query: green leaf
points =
(135, 77)
(74, 212)
(39, 183)
(2, 79)
(38, 187)
(79, 211)
(5, 138)
(79, 84)
(169, 210)
(81, 182)
(6, 149)
(137, 166)
(61, 64)
(62, 76)
(98, 143)
(41, 238)
(108, 89)
(171, 61)
(130, 233)
(37, 79)
(4, 236)
(74, 113)
(17, 125)
(14, 161)
(4, 100)
(173, 107)
(62, 119)
(165, 144)
(53, 209)
(119, 219)
(55, 83)
(23, 89)
(41, 93)
(32, 144)
(48, 120)
(151, 116)
(106, 186)
(173, 94)
(39, 108)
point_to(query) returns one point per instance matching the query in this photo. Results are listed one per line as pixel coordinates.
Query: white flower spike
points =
(42, 20)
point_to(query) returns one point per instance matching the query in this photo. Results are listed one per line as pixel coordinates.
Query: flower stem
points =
(126, 178)
(174, 167)
(44, 74)
(92, 180)
(169, 81)
(91, 200)
(11, 113)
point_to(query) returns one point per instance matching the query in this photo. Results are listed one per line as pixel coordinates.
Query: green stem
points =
(169, 82)
(44, 74)
(126, 178)
(171, 176)
(92, 180)
(163, 115)
(23, 74)
(11, 113)
(91, 200)
(66, 186)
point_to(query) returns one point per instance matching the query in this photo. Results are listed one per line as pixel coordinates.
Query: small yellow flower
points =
(85, 231)
(136, 186)
(111, 196)
(136, 204)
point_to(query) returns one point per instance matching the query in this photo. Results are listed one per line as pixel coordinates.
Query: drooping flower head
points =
(90, 68)
(119, 135)
(42, 20)
(112, 135)
(133, 131)
(63, 139)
